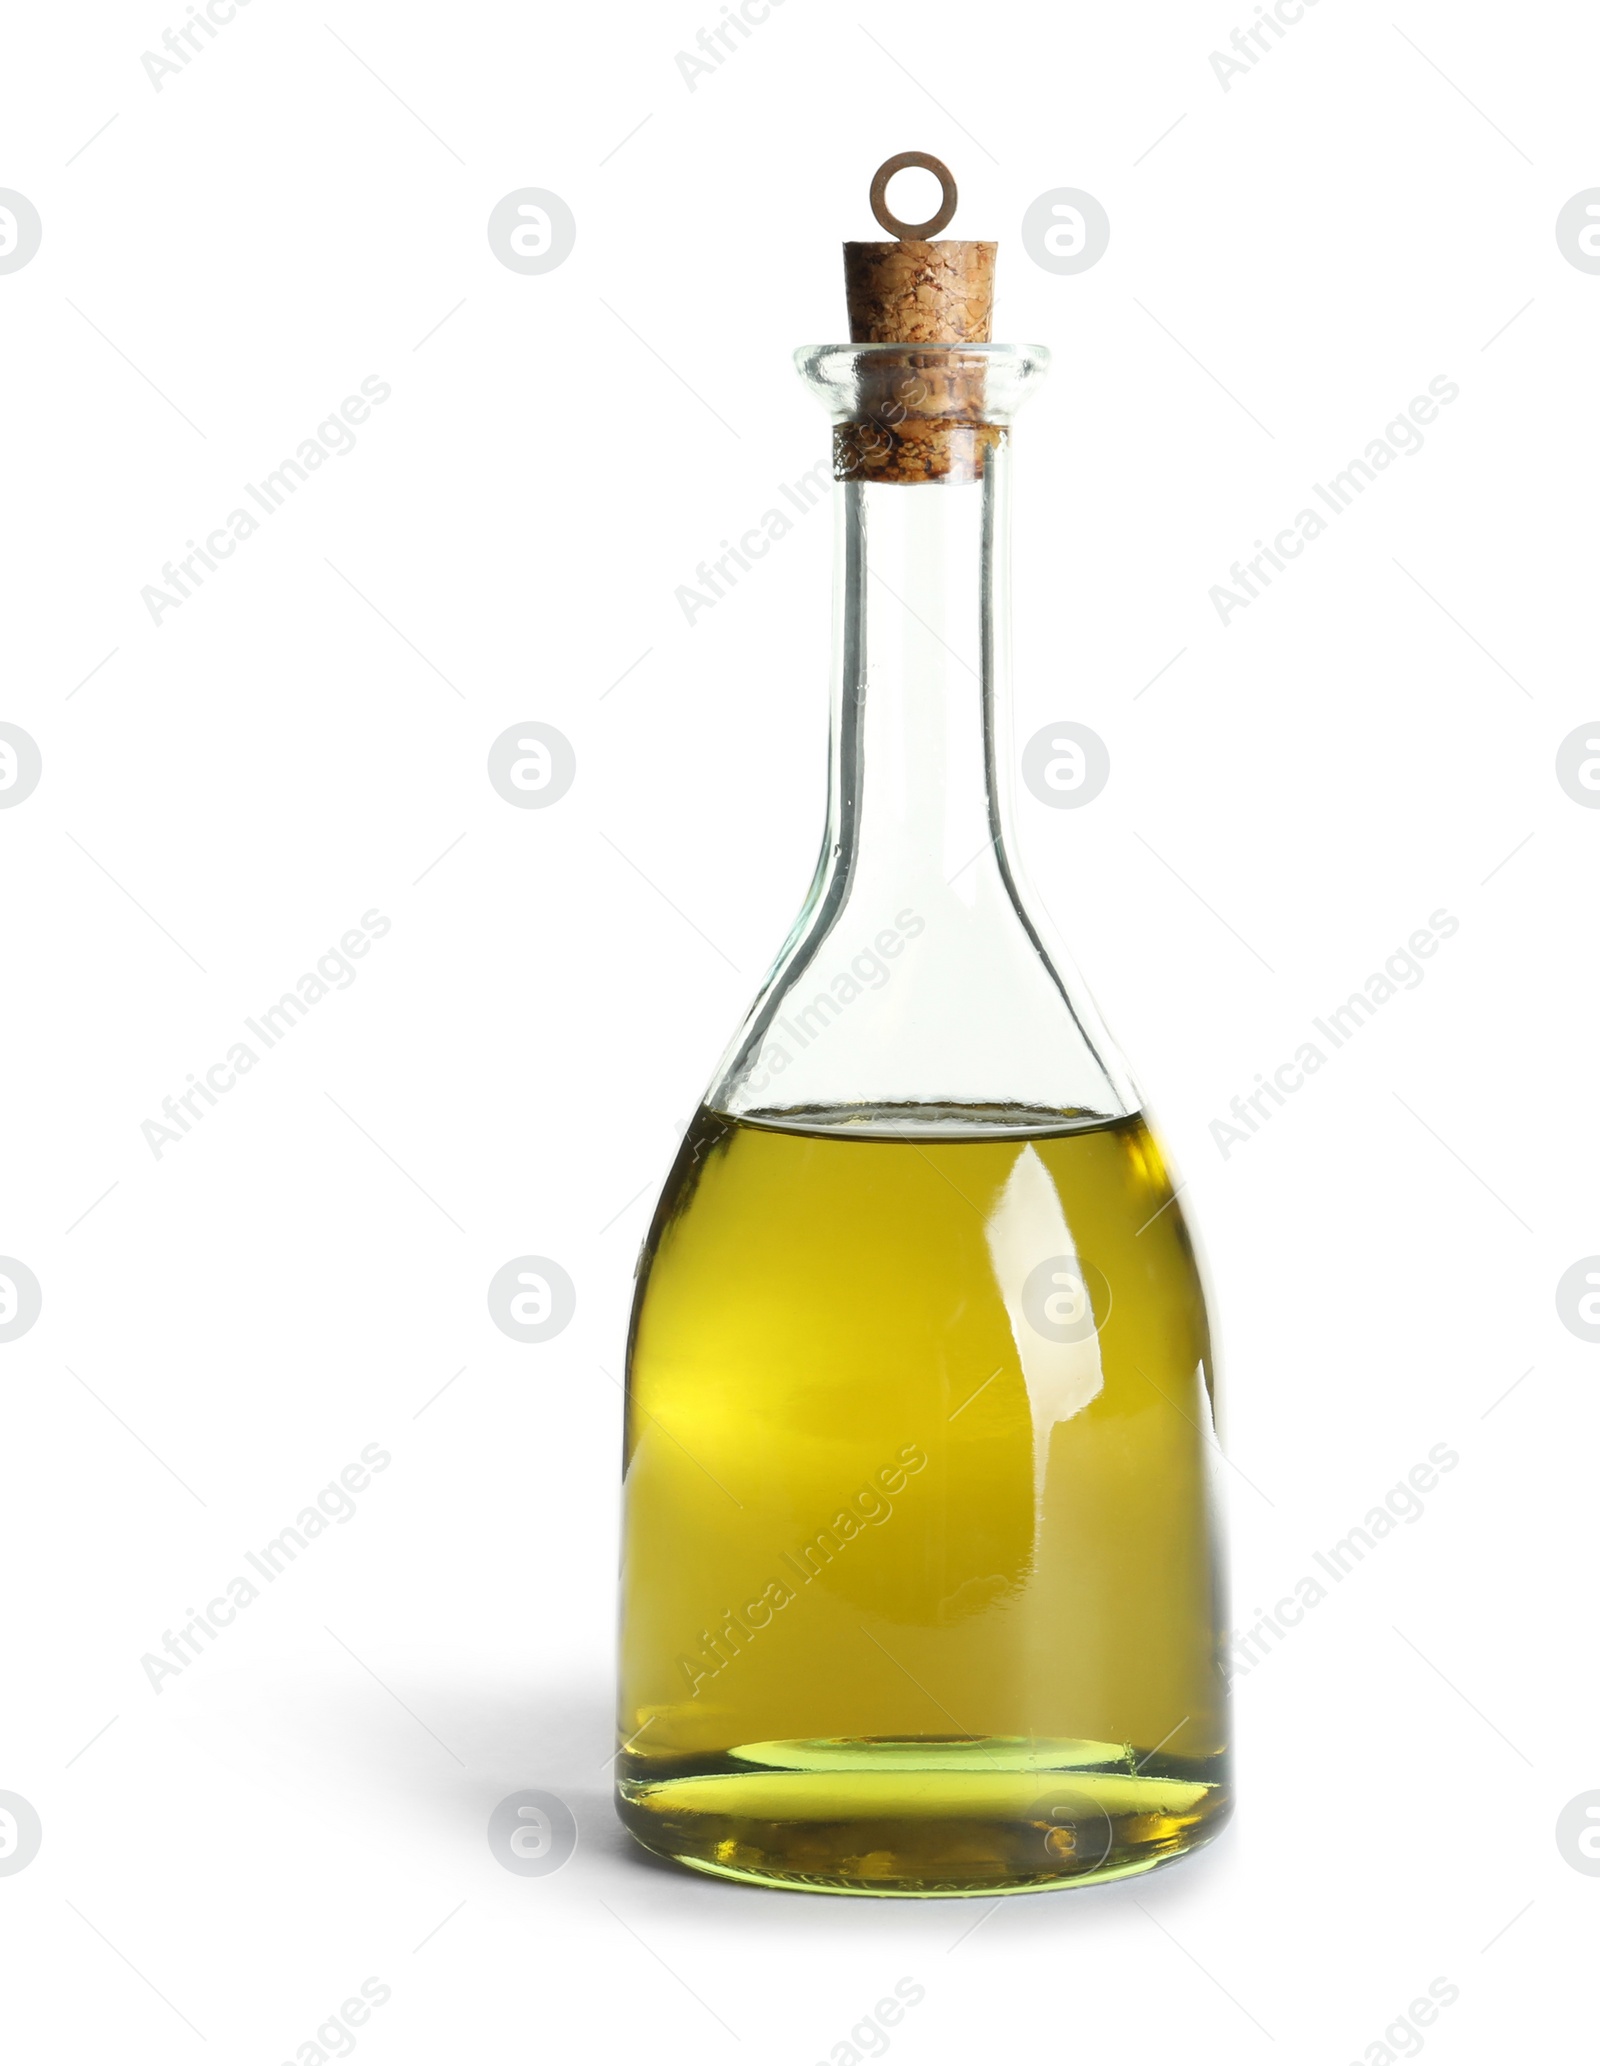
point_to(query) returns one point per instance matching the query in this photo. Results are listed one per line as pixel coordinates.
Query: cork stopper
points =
(915, 291)
(921, 411)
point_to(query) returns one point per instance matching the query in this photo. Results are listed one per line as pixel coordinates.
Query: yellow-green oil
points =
(921, 1582)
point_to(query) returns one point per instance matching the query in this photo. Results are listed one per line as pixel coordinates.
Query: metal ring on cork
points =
(904, 161)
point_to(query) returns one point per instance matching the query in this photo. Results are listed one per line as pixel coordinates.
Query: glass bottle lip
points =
(848, 379)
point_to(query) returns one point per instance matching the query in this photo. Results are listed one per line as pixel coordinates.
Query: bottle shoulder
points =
(916, 993)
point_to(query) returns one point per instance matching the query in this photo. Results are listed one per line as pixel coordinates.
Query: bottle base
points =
(934, 1818)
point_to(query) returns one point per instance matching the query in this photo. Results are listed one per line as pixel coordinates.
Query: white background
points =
(302, 740)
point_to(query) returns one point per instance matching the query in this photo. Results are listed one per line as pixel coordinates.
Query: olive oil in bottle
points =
(921, 1571)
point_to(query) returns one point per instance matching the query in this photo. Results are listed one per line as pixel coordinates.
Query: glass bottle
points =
(922, 1587)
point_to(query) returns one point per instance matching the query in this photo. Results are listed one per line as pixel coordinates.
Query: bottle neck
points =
(920, 658)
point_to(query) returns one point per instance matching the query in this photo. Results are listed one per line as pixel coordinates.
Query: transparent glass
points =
(922, 1588)
(978, 1016)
